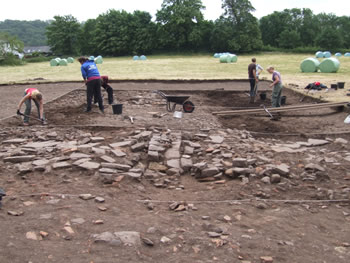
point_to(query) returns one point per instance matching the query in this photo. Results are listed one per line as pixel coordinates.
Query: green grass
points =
(181, 67)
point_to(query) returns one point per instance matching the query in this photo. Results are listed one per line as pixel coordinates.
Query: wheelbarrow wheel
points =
(188, 107)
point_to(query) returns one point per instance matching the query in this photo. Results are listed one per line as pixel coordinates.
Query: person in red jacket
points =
(29, 95)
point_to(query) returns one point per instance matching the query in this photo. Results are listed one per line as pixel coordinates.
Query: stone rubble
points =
(163, 156)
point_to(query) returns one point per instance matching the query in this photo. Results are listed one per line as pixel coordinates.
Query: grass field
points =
(184, 67)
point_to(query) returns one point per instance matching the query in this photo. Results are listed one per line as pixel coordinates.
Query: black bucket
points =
(117, 108)
(263, 96)
(341, 85)
(283, 100)
(334, 86)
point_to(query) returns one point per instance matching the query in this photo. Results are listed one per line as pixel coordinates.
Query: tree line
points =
(179, 26)
(31, 33)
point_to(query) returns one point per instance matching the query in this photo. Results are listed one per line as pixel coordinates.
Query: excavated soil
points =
(304, 218)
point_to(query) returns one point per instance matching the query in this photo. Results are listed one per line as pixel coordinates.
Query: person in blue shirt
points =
(92, 81)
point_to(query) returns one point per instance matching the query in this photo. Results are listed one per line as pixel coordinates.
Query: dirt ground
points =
(304, 218)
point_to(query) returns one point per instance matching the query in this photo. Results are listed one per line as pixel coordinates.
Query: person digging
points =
(29, 95)
(108, 89)
(92, 80)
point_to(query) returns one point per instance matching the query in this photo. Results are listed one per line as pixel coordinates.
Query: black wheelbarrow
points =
(187, 105)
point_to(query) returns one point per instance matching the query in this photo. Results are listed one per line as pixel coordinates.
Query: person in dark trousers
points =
(253, 77)
(29, 95)
(108, 89)
(277, 87)
(92, 80)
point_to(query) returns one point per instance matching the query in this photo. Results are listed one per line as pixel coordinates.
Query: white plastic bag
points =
(347, 120)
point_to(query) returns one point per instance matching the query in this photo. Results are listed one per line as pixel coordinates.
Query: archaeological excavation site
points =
(185, 171)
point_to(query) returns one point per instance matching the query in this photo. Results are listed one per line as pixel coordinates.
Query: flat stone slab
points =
(316, 142)
(172, 154)
(61, 165)
(90, 165)
(42, 162)
(217, 139)
(118, 153)
(19, 159)
(107, 159)
(41, 144)
(76, 156)
(97, 139)
(175, 163)
(121, 167)
(15, 141)
(120, 144)
(129, 238)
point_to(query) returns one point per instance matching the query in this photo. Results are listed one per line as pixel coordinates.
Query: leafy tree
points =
(221, 34)
(329, 39)
(32, 33)
(10, 47)
(309, 28)
(289, 39)
(246, 35)
(63, 34)
(87, 37)
(179, 24)
(344, 29)
(143, 33)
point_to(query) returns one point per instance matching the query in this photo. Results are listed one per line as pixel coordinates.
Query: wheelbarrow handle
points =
(160, 94)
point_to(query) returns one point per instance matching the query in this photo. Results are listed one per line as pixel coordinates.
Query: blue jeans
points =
(28, 109)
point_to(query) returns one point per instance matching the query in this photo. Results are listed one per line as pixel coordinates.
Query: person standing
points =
(277, 87)
(92, 80)
(29, 95)
(253, 77)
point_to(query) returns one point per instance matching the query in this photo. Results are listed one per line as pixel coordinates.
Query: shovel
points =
(37, 119)
(268, 112)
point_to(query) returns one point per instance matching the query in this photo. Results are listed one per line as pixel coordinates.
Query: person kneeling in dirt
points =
(108, 89)
(277, 87)
(92, 80)
(29, 95)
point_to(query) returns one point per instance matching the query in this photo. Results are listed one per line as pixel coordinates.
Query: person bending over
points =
(29, 95)
(92, 80)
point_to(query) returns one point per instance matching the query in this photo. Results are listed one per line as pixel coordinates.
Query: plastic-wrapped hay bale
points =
(54, 62)
(330, 65)
(136, 58)
(63, 62)
(338, 54)
(347, 54)
(98, 60)
(70, 60)
(91, 58)
(216, 55)
(327, 54)
(233, 58)
(225, 59)
(143, 57)
(319, 54)
(309, 65)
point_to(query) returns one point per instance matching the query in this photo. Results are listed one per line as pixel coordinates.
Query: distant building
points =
(39, 49)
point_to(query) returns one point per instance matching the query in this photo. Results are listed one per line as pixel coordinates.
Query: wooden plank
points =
(282, 109)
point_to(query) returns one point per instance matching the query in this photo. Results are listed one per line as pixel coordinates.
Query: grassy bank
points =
(181, 67)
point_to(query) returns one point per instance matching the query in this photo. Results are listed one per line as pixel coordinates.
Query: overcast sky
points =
(83, 10)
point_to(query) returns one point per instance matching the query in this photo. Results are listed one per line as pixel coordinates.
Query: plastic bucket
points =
(334, 86)
(178, 114)
(341, 85)
(263, 96)
(283, 100)
(117, 108)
